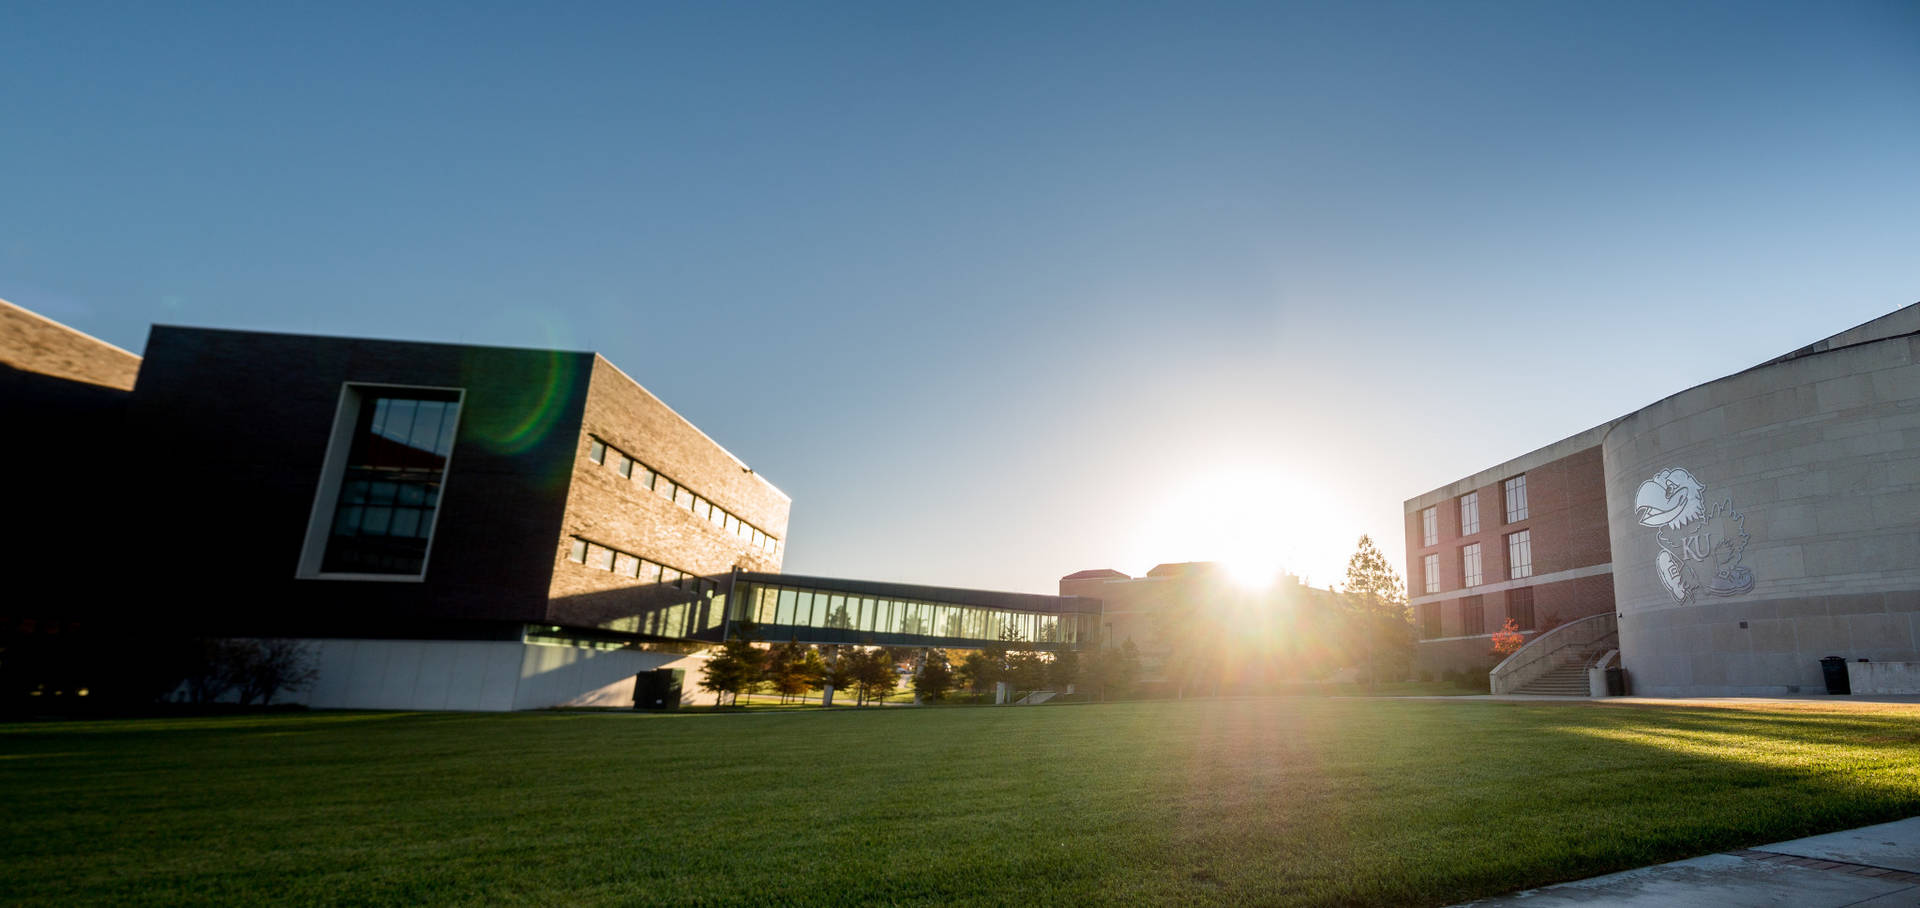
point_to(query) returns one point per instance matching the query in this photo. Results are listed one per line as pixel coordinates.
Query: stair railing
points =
(1568, 644)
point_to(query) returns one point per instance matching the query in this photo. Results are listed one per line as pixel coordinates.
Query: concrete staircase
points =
(1564, 681)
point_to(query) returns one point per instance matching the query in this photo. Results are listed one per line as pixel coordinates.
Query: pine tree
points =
(935, 677)
(1381, 620)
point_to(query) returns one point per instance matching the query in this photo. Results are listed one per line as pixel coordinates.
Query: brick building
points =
(1525, 540)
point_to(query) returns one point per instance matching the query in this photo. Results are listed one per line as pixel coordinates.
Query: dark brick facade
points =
(242, 422)
(63, 398)
(237, 425)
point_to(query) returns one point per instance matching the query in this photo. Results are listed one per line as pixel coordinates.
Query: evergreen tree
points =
(979, 671)
(813, 669)
(1064, 670)
(787, 669)
(1381, 622)
(874, 675)
(736, 667)
(935, 677)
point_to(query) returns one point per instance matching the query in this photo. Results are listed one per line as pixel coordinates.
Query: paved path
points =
(1877, 866)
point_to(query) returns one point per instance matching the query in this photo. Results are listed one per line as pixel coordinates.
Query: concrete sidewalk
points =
(1875, 866)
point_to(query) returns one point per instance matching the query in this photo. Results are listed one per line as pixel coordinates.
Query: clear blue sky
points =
(1002, 291)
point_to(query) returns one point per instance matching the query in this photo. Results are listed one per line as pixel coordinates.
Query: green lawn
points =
(1279, 801)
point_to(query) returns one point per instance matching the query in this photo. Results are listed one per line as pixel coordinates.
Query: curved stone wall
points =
(1767, 519)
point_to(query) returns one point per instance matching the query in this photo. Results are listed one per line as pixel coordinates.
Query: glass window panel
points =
(1429, 527)
(624, 465)
(786, 610)
(449, 418)
(399, 422)
(577, 551)
(426, 425)
(1470, 565)
(376, 521)
(664, 487)
(1516, 489)
(597, 451)
(683, 498)
(1430, 572)
(644, 477)
(411, 494)
(406, 523)
(600, 557)
(1470, 513)
(1520, 555)
(378, 424)
(382, 492)
(626, 565)
(346, 521)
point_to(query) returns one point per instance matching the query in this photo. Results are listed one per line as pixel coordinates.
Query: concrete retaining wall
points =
(484, 676)
(1884, 677)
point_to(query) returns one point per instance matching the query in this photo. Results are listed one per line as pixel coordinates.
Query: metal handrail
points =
(1523, 666)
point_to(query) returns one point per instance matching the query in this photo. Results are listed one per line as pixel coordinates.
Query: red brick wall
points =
(1567, 519)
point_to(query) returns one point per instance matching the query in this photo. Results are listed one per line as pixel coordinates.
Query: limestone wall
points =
(1768, 519)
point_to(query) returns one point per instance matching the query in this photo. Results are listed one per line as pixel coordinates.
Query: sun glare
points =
(1258, 522)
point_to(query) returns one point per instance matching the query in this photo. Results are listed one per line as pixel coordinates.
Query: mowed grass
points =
(1278, 801)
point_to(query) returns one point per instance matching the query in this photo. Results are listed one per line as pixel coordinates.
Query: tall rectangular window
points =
(1470, 565)
(1430, 572)
(1470, 513)
(1520, 554)
(1429, 527)
(596, 450)
(1473, 616)
(1516, 498)
(389, 481)
(1520, 607)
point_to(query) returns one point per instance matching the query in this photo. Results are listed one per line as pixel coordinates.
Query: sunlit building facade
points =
(1722, 541)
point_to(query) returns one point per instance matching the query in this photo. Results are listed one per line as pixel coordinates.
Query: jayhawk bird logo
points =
(1701, 544)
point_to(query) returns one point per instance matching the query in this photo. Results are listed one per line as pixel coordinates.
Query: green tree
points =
(839, 669)
(1064, 670)
(1111, 672)
(875, 674)
(787, 669)
(736, 667)
(979, 671)
(813, 669)
(1381, 622)
(935, 677)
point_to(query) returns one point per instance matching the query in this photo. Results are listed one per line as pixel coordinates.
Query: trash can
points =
(1835, 670)
(658, 689)
(1616, 682)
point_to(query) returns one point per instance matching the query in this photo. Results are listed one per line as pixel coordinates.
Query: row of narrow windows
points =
(1469, 505)
(1519, 562)
(646, 477)
(601, 558)
(1473, 615)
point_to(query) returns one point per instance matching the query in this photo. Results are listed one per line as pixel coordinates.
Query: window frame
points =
(1430, 526)
(1509, 488)
(1522, 539)
(1471, 500)
(1478, 574)
(333, 469)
